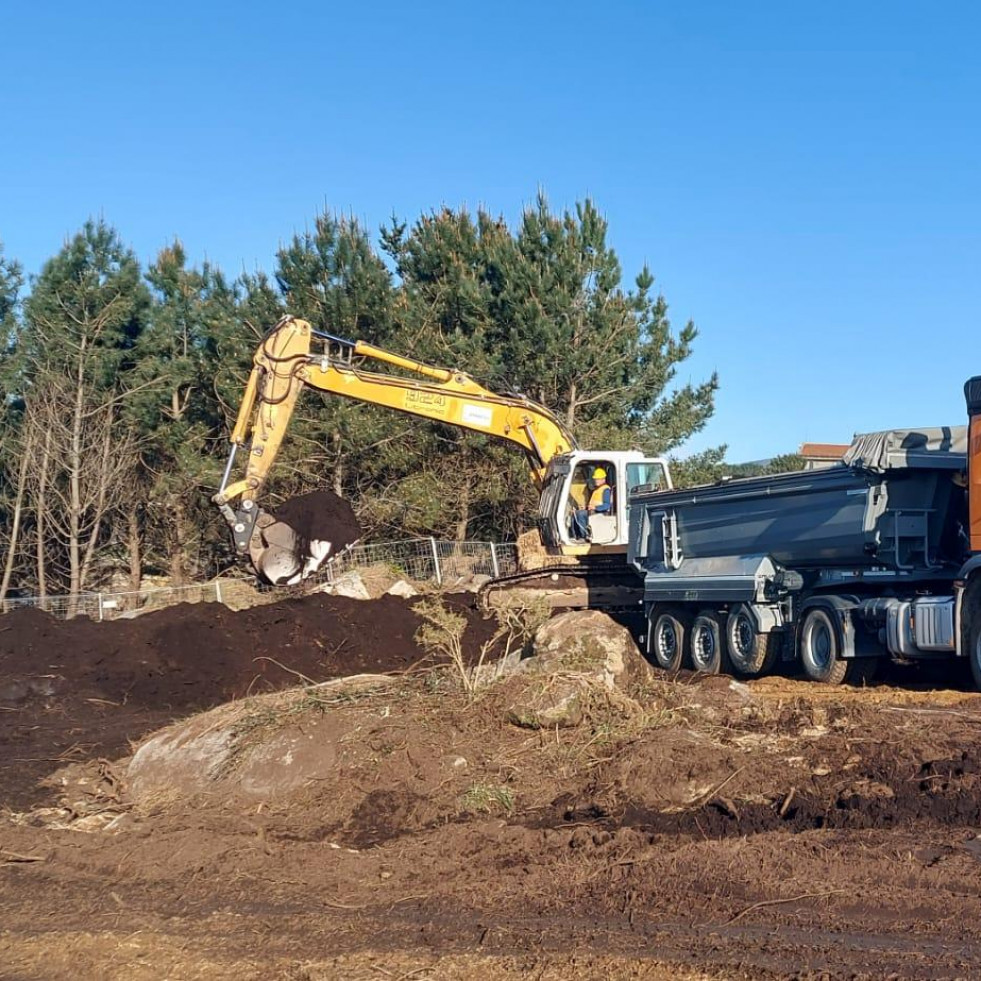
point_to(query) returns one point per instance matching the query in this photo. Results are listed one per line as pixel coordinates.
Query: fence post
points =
(436, 569)
(494, 565)
(100, 607)
(217, 590)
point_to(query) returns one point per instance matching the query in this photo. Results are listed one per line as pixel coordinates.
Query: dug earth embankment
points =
(171, 810)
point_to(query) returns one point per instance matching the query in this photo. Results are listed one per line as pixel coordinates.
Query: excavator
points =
(293, 356)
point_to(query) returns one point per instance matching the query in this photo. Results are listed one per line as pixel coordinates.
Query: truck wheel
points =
(668, 637)
(752, 653)
(820, 652)
(975, 652)
(706, 644)
(971, 618)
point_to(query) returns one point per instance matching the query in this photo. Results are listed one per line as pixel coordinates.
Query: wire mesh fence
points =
(416, 560)
(428, 560)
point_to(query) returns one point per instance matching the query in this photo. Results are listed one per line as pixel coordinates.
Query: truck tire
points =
(971, 627)
(974, 652)
(820, 650)
(751, 652)
(706, 643)
(669, 637)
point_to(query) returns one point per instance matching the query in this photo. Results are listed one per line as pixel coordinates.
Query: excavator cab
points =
(566, 519)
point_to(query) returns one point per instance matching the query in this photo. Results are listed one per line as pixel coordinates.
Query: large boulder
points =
(261, 746)
(575, 657)
(591, 642)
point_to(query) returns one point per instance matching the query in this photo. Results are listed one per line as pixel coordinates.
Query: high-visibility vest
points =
(601, 499)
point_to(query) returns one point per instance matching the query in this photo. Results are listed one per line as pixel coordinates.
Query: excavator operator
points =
(600, 501)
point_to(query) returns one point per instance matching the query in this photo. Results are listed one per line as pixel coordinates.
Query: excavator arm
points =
(285, 364)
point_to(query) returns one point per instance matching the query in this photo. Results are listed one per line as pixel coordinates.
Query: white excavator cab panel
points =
(584, 504)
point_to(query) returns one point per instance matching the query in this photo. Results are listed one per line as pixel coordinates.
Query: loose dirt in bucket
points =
(320, 516)
(700, 828)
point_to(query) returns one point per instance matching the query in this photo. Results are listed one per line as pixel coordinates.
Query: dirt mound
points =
(86, 689)
(772, 830)
(320, 516)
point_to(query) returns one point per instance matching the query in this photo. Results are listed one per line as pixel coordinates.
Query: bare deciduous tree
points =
(24, 449)
(79, 480)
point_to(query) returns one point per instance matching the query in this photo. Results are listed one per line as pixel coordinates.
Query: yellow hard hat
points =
(599, 474)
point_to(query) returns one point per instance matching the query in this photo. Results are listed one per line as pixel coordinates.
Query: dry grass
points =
(442, 632)
(487, 799)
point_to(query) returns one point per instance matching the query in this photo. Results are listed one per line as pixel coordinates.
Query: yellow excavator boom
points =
(285, 363)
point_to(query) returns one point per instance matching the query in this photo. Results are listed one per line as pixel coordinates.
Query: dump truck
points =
(876, 557)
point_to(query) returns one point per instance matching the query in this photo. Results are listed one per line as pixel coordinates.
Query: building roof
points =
(823, 451)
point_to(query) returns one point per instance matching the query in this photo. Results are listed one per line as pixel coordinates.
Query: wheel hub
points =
(703, 646)
(666, 642)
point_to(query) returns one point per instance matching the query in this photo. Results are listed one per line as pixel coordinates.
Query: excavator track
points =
(603, 586)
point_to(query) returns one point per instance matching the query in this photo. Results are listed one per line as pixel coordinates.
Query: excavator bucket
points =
(283, 556)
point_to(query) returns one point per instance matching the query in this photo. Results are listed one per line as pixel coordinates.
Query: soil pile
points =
(320, 516)
(84, 688)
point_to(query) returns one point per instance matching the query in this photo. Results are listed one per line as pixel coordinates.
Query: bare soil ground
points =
(698, 828)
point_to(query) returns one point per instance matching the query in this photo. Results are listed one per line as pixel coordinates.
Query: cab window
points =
(593, 502)
(645, 477)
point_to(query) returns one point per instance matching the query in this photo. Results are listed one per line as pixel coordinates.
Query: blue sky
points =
(803, 178)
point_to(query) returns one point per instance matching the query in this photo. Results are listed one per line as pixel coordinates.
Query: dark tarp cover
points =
(940, 447)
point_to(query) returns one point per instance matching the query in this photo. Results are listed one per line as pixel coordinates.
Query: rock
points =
(575, 656)
(402, 588)
(483, 674)
(18, 691)
(866, 788)
(591, 642)
(260, 747)
(742, 690)
(557, 705)
(349, 584)
(467, 584)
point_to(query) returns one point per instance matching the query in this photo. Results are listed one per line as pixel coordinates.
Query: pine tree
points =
(13, 451)
(448, 266)
(541, 311)
(86, 310)
(177, 413)
(602, 356)
(11, 282)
